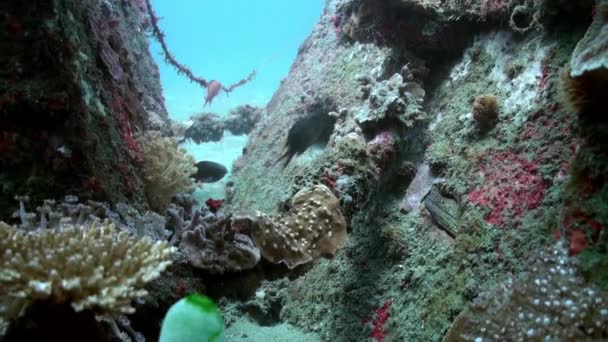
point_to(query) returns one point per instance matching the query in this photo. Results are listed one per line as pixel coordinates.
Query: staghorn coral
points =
(551, 303)
(485, 111)
(92, 267)
(313, 227)
(167, 169)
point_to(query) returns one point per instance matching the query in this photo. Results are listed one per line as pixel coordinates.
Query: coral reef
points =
(313, 227)
(167, 169)
(210, 242)
(552, 301)
(91, 267)
(394, 91)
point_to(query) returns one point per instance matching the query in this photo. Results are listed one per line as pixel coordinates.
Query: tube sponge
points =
(194, 318)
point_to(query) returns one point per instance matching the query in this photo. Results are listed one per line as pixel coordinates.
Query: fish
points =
(213, 88)
(209, 172)
(312, 129)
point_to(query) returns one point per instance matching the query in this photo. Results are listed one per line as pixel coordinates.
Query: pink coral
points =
(511, 185)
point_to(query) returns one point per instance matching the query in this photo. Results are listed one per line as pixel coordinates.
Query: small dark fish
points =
(209, 172)
(307, 131)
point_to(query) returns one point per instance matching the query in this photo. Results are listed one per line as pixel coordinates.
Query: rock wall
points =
(402, 79)
(77, 83)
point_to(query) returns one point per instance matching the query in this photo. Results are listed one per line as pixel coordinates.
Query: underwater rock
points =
(205, 127)
(242, 119)
(210, 127)
(392, 99)
(419, 188)
(584, 84)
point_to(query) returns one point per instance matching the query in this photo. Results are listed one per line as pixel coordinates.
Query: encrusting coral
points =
(167, 169)
(551, 303)
(313, 227)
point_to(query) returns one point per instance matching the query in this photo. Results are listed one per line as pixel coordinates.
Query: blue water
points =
(226, 40)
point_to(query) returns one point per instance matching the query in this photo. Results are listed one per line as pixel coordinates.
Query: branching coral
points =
(167, 169)
(90, 267)
(62, 263)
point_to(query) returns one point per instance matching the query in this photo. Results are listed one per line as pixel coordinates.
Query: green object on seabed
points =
(194, 318)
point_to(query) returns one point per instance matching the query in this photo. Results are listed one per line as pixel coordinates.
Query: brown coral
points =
(313, 227)
(167, 169)
(93, 267)
(485, 111)
(551, 303)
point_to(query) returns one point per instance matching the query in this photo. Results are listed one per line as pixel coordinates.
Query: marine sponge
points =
(167, 169)
(551, 303)
(313, 227)
(485, 111)
(90, 267)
